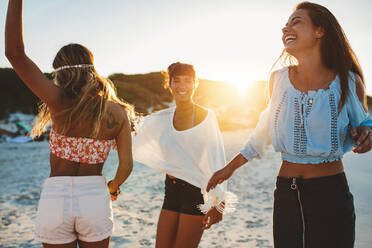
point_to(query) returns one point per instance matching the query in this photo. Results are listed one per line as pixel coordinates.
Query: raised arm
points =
(26, 69)
(245, 155)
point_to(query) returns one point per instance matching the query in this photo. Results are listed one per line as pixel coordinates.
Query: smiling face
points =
(182, 87)
(299, 34)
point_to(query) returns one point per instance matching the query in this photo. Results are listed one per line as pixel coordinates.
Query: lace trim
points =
(300, 140)
(334, 138)
(278, 109)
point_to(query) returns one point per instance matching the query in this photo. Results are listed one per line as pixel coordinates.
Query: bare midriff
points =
(62, 167)
(324, 169)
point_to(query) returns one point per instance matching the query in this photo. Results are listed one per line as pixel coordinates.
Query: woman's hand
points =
(362, 136)
(212, 217)
(113, 197)
(226, 172)
(114, 190)
(220, 176)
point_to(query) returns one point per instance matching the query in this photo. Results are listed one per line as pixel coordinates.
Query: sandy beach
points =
(25, 166)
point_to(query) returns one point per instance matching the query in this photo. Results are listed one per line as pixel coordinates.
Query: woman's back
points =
(67, 160)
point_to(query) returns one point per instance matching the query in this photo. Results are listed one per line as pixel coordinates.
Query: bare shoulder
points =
(359, 86)
(115, 107)
(202, 110)
(201, 113)
(116, 116)
(360, 90)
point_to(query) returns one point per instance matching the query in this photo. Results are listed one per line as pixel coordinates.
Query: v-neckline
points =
(191, 128)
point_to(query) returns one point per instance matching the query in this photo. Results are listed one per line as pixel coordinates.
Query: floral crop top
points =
(80, 149)
(306, 127)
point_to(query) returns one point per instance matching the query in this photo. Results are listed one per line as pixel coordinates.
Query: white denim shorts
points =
(73, 208)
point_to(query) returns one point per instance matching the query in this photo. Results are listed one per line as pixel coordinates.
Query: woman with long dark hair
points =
(87, 120)
(316, 114)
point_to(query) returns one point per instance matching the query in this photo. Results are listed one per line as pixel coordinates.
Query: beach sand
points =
(25, 166)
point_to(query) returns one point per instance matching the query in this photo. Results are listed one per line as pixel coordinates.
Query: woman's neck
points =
(310, 65)
(310, 61)
(184, 106)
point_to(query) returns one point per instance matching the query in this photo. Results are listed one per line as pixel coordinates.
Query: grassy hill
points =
(234, 109)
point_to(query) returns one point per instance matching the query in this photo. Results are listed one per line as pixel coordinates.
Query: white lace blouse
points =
(306, 127)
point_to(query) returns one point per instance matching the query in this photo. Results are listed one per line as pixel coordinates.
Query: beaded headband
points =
(72, 66)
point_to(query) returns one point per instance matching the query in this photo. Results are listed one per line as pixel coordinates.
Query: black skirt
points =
(313, 213)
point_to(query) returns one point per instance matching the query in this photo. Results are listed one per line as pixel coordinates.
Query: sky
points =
(228, 40)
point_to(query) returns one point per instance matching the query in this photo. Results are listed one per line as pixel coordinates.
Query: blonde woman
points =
(87, 120)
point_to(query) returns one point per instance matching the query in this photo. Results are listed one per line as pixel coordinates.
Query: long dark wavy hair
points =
(336, 51)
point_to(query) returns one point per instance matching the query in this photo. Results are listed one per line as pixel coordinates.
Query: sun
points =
(239, 81)
(241, 86)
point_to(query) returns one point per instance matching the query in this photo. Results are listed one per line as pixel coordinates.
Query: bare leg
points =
(99, 244)
(69, 245)
(189, 231)
(167, 229)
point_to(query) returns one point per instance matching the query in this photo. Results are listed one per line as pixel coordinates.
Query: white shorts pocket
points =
(96, 217)
(95, 206)
(50, 213)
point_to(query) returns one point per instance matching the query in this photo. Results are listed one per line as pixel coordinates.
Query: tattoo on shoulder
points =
(111, 121)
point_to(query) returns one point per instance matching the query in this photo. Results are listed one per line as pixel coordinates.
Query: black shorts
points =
(182, 197)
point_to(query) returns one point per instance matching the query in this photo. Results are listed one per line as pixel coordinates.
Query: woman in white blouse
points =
(185, 143)
(314, 104)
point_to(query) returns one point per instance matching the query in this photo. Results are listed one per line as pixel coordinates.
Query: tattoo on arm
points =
(111, 122)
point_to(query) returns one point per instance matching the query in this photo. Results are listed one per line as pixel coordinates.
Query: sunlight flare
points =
(241, 87)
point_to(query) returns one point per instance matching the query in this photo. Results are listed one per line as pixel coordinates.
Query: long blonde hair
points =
(85, 89)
